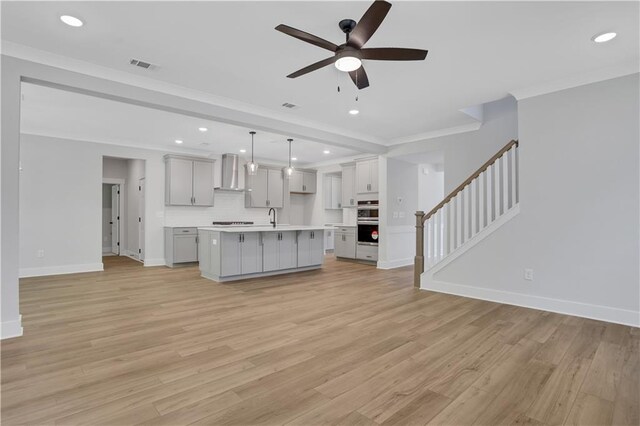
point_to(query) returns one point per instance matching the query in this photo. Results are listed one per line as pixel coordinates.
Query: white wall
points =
(579, 201)
(397, 217)
(63, 197)
(60, 204)
(430, 186)
(464, 153)
(114, 168)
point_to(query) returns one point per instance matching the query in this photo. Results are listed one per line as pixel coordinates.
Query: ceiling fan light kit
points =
(348, 56)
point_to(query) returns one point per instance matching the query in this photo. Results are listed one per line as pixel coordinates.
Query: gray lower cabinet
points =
(241, 253)
(230, 256)
(345, 242)
(180, 245)
(310, 248)
(279, 251)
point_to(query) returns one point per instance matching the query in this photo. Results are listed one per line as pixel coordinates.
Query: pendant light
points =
(288, 171)
(252, 167)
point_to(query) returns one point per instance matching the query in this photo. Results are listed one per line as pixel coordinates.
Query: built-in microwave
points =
(368, 210)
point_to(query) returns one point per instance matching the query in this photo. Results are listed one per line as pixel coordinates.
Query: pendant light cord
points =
(290, 140)
(252, 133)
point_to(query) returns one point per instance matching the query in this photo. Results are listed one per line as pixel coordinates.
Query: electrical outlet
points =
(40, 253)
(528, 274)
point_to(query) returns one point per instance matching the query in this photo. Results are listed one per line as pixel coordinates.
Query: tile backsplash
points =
(227, 206)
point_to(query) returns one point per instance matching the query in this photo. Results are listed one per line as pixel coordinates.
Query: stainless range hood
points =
(230, 168)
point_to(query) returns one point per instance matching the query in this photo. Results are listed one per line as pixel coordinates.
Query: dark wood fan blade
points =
(369, 23)
(393, 54)
(312, 67)
(309, 38)
(360, 78)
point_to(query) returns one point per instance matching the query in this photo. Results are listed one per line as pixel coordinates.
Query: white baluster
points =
(482, 197)
(505, 183)
(473, 198)
(436, 236)
(490, 194)
(431, 241)
(516, 162)
(470, 210)
(496, 191)
(447, 228)
(459, 221)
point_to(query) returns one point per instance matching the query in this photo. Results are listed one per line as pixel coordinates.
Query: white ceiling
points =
(478, 52)
(59, 113)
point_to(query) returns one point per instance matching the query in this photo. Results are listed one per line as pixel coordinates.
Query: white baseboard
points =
(60, 270)
(133, 255)
(392, 264)
(154, 262)
(578, 309)
(9, 329)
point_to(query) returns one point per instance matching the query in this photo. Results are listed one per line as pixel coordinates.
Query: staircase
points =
(481, 204)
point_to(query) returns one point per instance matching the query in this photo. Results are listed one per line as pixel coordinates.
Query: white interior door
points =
(141, 219)
(115, 219)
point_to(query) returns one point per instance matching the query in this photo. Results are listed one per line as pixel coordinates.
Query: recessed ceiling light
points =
(243, 151)
(178, 141)
(72, 21)
(326, 151)
(294, 159)
(603, 37)
(202, 129)
(354, 112)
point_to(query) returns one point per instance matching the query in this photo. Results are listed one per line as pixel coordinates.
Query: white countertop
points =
(263, 228)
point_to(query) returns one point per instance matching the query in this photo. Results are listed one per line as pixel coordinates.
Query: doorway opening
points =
(123, 226)
(111, 213)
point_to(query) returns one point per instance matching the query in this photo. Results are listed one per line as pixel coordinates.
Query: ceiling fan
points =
(348, 56)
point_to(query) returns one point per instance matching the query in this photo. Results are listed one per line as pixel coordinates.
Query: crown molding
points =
(577, 80)
(436, 134)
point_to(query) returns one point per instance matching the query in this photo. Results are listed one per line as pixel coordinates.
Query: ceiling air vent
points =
(141, 64)
(290, 106)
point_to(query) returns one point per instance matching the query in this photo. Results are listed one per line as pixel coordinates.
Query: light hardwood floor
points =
(348, 345)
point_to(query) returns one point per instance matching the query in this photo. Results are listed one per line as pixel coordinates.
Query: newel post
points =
(418, 268)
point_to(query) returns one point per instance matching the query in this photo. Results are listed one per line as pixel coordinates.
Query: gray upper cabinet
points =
(202, 183)
(349, 185)
(188, 181)
(367, 176)
(303, 182)
(265, 189)
(332, 192)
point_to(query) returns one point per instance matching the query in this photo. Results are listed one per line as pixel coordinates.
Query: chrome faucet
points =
(273, 222)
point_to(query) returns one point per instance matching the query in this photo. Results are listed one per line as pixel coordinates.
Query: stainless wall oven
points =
(368, 220)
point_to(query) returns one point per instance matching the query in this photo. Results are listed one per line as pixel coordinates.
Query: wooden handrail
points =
(477, 173)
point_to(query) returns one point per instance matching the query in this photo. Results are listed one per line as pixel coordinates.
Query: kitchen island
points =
(240, 252)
